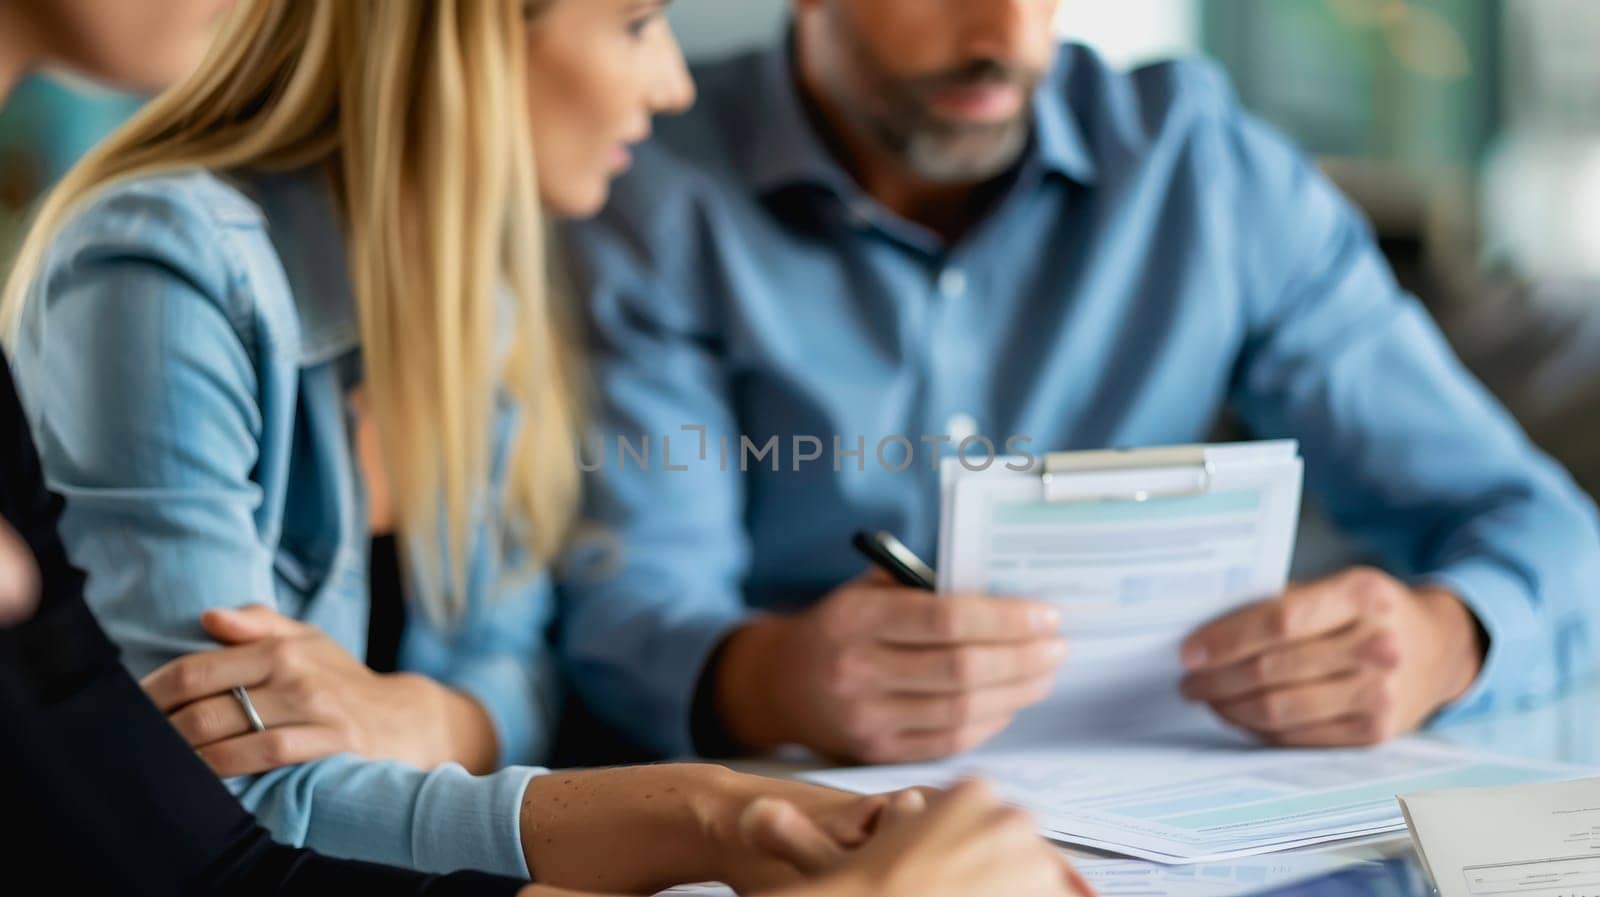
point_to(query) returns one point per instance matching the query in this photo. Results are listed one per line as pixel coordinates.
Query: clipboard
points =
(1136, 547)
(1144, 474)
(1136, 477)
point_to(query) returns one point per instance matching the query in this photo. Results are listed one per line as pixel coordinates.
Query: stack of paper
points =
(1188, 805)
(1135, 878)
(1531, 840)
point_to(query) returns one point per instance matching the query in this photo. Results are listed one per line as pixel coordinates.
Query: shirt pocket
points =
(297, 580)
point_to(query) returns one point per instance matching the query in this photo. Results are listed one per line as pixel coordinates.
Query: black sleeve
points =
(108, 795)
(710, 736)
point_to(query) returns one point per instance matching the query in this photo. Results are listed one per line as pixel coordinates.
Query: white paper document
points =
(1138, 549)
(1530, 840)
(1187, 805)
(1137, 878)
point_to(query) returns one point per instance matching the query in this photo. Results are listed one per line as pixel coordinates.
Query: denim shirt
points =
(186, 353)
(1159, 258)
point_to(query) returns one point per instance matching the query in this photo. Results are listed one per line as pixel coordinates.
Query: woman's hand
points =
(315, 699)
(963, 842)
(686, 823)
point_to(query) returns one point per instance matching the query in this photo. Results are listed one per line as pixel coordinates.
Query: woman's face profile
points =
(598, 71)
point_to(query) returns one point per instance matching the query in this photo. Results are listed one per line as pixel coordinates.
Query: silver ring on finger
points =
(243, 697)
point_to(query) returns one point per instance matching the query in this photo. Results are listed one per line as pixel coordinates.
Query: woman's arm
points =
(66, 698)
(145, 373)
(682, 822)
(685, 823)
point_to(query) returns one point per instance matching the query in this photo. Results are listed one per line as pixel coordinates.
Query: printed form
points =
(1135, 878)
(1137, 549)
(1530, 841)
(1208, 804)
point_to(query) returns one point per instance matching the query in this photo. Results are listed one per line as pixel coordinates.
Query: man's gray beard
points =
(939, 157)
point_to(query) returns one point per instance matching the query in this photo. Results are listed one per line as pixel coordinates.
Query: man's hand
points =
(880, 673)
(1354, 659)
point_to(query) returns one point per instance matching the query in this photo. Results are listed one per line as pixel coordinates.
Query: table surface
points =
(1566, 731)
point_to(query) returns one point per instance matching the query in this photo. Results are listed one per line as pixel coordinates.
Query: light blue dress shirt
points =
(185, 356)
(1159, 258)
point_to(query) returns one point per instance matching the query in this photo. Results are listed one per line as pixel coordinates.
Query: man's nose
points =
(999, 29)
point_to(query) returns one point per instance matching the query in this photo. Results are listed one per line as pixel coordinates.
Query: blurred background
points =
(1469, 130)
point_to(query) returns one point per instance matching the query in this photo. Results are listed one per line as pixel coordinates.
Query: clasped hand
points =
(315, 699)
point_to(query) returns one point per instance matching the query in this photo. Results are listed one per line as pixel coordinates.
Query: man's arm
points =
(872, 671)
(1404, 448)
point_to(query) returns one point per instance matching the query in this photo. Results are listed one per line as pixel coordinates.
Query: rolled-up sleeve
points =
(441, 820)
(1404, 448)
(147, 409)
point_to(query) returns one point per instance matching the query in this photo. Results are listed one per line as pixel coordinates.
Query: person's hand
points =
(963, 843)
(315, 699)
(1354, 659)
(881, 673)
(19, 578)
(686, 823)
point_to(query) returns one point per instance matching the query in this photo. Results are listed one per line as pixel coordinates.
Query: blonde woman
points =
(315, 262)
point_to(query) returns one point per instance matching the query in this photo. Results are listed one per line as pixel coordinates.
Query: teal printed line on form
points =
(1177, 806)
(1232, 502)
(1470, 777)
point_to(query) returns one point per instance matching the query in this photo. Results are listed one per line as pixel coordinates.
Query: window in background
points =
(1405, 81)
(1400, 99)
(1542, 183)
(709, 28)
(1129, 32)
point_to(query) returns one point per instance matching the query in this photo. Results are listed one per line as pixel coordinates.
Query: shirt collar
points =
(787, 151)
(303, 223)
(1058, 139)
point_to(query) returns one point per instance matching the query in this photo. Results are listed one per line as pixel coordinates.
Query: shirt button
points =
(961, 426)
(953, 283)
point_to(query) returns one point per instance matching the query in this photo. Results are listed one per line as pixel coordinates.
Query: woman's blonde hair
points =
(420, 109)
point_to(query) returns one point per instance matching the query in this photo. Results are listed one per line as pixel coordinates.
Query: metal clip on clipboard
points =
(1135, 475)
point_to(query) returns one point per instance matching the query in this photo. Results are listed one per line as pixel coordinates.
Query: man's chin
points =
(967, 154)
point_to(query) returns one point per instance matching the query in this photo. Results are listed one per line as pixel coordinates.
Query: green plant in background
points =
(1413, 82)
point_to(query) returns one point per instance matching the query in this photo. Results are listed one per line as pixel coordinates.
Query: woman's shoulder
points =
(176, 219)
(204, 234)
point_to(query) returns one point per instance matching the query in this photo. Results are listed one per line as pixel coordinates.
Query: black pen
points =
(890, 554)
